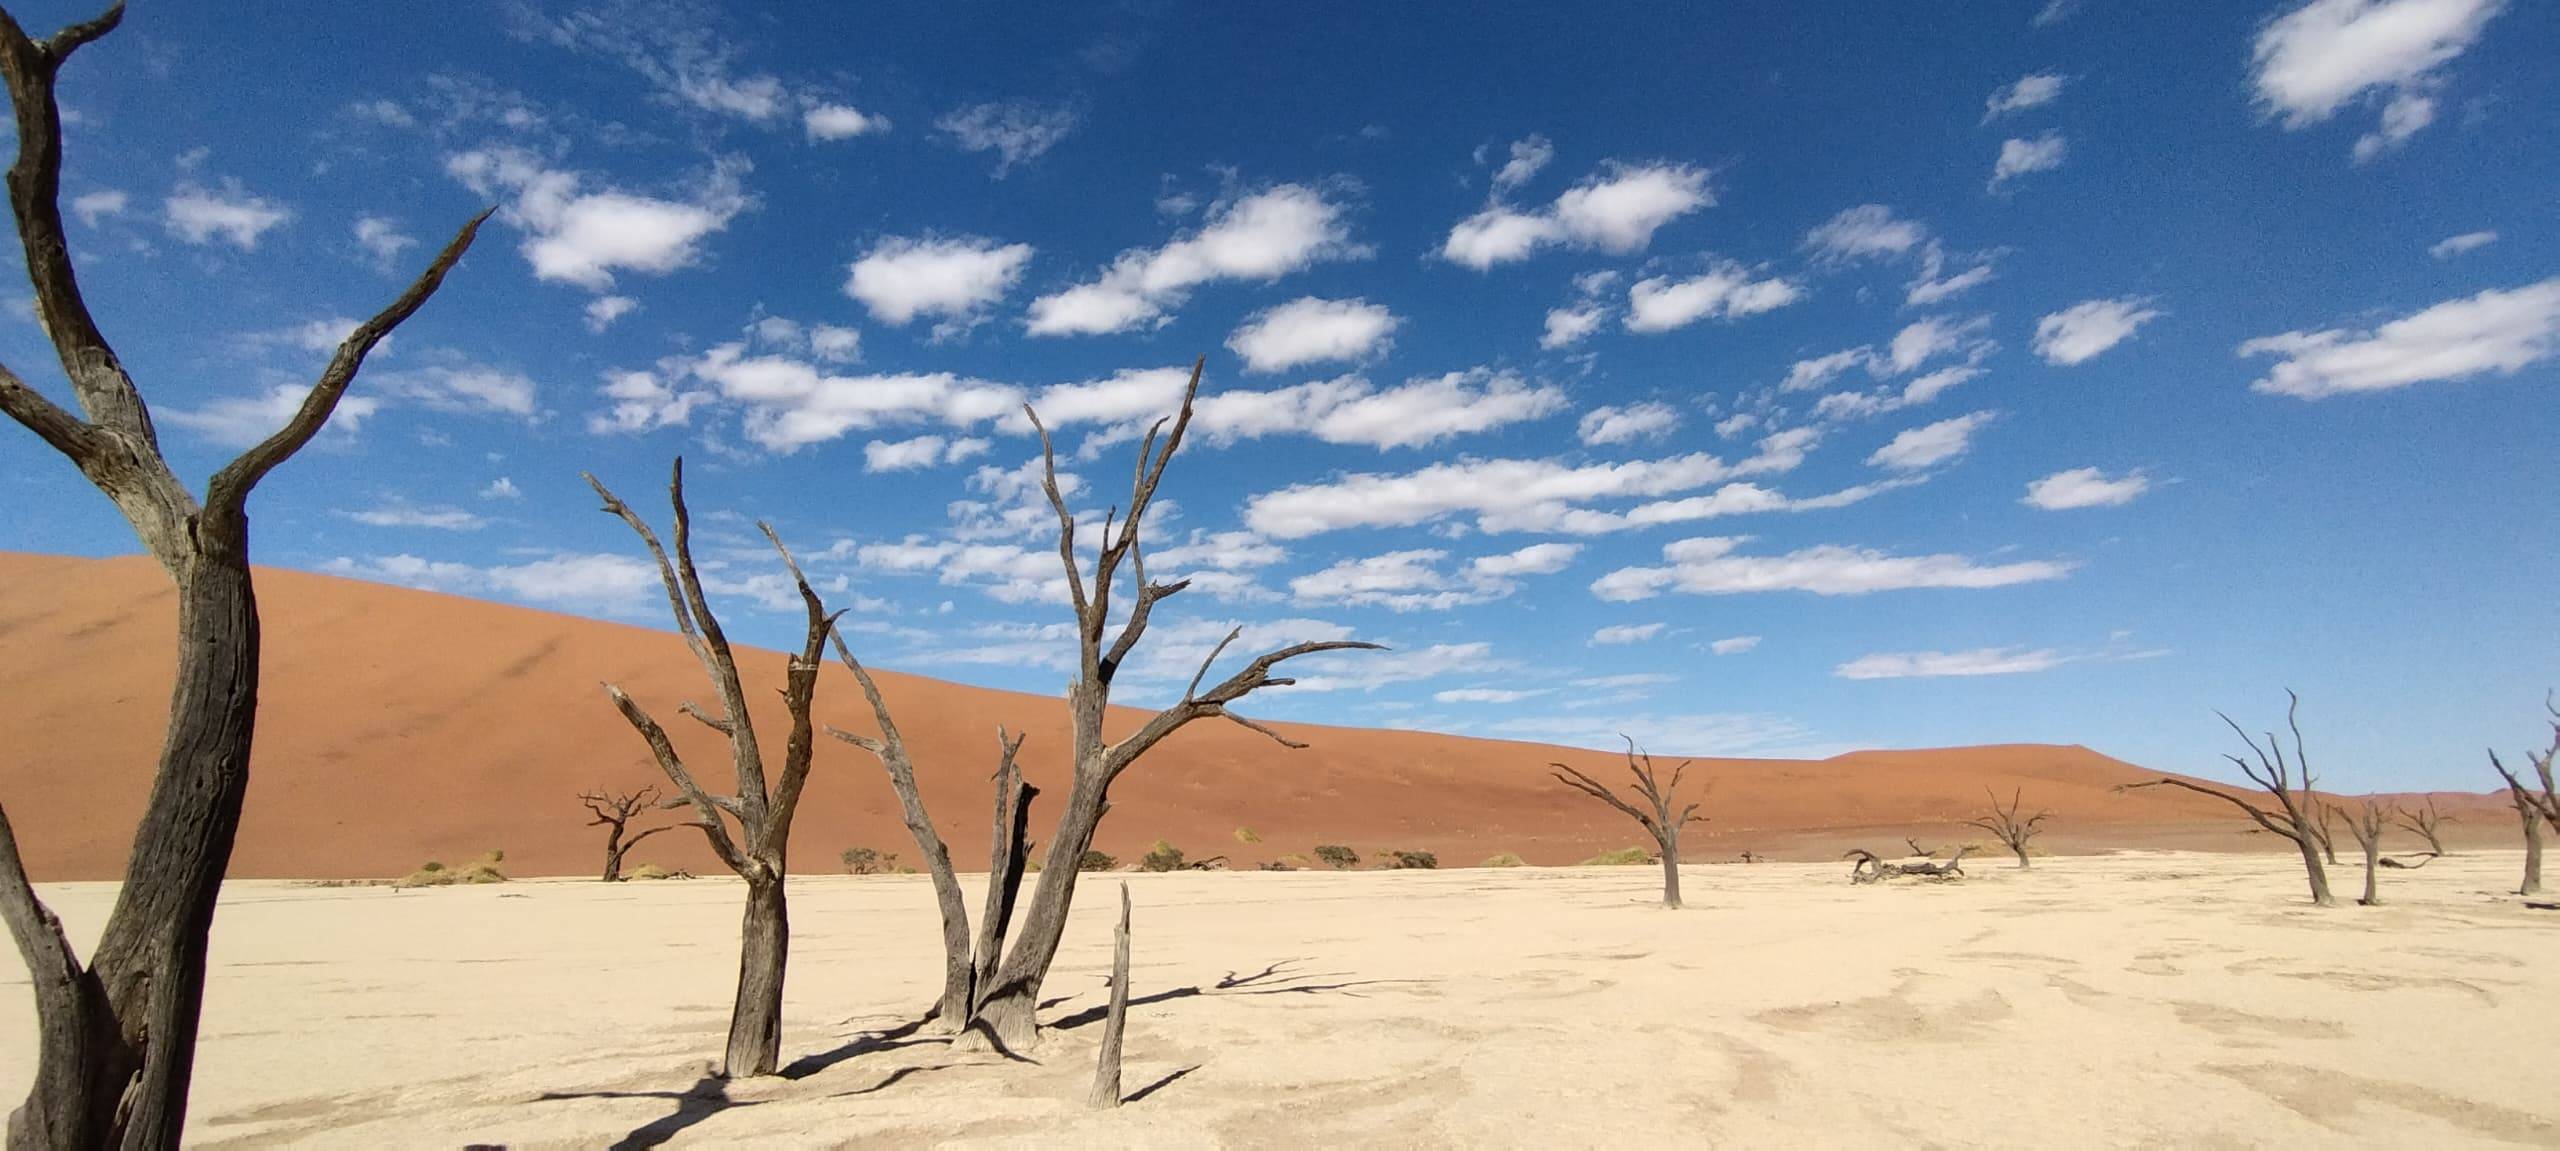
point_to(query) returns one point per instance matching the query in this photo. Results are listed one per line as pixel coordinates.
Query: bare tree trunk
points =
(1106, 1069)
(2372, 864)
(1670, 872)
(1007, 1008)
(2021, 851)
(764, 950)
(2320, 896)
(613, 855)
(2532, 884)
(1006, 858)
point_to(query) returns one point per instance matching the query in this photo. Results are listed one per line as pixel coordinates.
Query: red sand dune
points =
(399, 726)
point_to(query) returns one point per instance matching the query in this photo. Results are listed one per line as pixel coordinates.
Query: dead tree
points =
(759, 849)
(2297, 816)
(966, 962)
(614, 811)
(2328, 839)
(2544, 802)
(116, 1036)
(2532, 822)
(1918, 850)
(1006, 1009)
(1658, 822)
(1106, 1066)
(2367, 825)
(2427, 823)
(2003, 823)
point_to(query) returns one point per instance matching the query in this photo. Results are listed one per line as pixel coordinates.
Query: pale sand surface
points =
(2151, 999)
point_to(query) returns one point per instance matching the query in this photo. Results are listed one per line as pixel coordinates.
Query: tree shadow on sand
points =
(1275, 979)
(708, 1096)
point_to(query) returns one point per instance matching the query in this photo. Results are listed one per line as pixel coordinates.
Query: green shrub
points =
(869, 861)
(1505, 859)
(1337, 856)
(1162, 857)
(1248, 835)
(1623, 857)
(1409, 861)
(1096, 861)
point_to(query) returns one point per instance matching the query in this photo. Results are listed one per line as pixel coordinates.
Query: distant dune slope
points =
(398, 726)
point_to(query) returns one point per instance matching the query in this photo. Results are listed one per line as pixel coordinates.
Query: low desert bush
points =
(1409, 861)
(1623, 857)
(869, 861)
(1162, 857)
(1337, 856)
(1275, 865)
(1248, 835)
(1097, 861)
(1505, 859)
(434, 874)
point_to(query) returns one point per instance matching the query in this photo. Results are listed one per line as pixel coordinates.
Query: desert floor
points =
(2136, 999)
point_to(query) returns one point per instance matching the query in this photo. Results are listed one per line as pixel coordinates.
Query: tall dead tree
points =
(758, 851)
(1115, 1018)
(1658, 821)
(614, 812)
(1007, 1004)
(967, 964)
(116, 1036)
(2003, 823)
(2427, 823)
(2367, 825)
(2297, 814)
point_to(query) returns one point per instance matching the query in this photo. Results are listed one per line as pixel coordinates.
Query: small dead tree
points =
(1106, 1066)
(2427, 823)
(759, 849)
(1007, 1007)
(614, 812)
(2544, 802)
(2003, 823)
(967, 963)
(2367, 825)
(2297, 815)
(1658, 822)
(116, 1036)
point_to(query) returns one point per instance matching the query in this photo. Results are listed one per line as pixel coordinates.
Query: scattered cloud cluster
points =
(1256, 238)
(1616, 210)
(2315, 60)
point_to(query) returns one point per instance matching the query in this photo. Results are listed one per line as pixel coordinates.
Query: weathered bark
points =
(2427, 823)
(116, 1036)
(2003, 823)
(2367, 826)
(760, 850)
(1106, 1067)
(1008, 1001)
(2532, 884)
(1658, 822)
(2297, 817)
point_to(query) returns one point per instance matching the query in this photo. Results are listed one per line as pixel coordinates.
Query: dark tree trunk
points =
(613, 855)
(1106, 1067)
(2532, 884)
(1670, 872)
(1005, 863)
(764, 948)
(1007, 1009)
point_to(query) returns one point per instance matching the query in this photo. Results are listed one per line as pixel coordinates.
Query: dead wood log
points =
(1869, 868)
(2297, 817)
(1655, 816)
(1106, 1068)
(116, 1036)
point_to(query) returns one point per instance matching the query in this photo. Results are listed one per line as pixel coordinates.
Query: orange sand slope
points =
(399, 726)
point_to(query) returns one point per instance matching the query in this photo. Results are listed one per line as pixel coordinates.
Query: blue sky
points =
(1749, 379)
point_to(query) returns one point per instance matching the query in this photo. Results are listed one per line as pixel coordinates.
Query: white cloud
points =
(501, 488)
(200, 215)
(2054, 12)
(1815, 372)
(673, 48)
(459, 386)
(2084, 488)
(1715, 733)
(1938, 664)
(919, 452)
(1571, 324)
(1660, 304)
(1864, 232)
(1414, 580)
(2021, 156)
(1309, 330)
(1734, 645)
(955, 277)
(1626, 633)
(835, 345)
(617, 584)
(1488, 694)
(243, 422)
(382, 239)
(2034, 89)
(824, 122)
(1711, 565)
(403, 514)
(582, 238)
(1616, 425)
(1503, 494)
(2080, 332)
(604, 310)
(643, 402)
(1930, 444)
(1260, 237)
(101, 204)
(2494, 331)
(1922, 341)
(1934, 285)
(2314, 60)
(1427, 410)
(1018, 131)
(2451, 246)
(1528, 157)
(1616, 210)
